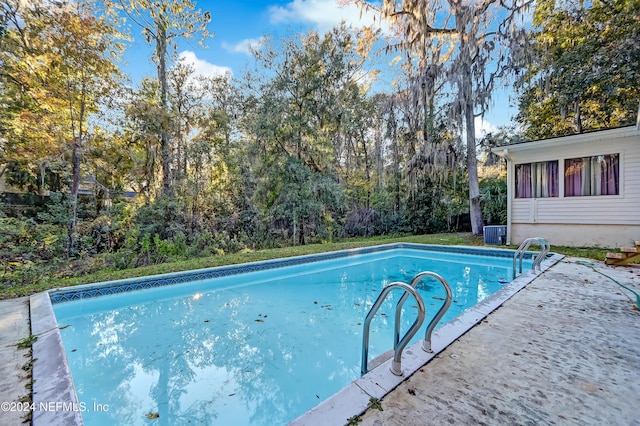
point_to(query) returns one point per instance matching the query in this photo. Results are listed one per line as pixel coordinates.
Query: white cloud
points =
(244, 46)
(483, 127)
(323, 14)
(202, 67)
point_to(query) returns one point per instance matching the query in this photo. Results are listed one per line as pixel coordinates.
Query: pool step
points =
(380, 359)
(626, 256)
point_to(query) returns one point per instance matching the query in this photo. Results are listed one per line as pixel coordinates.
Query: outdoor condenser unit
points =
(495, 234)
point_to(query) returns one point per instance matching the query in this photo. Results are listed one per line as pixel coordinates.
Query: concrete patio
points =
(14, 327)
(564, 350)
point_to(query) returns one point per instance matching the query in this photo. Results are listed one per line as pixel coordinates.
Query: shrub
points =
(362, 222)
(493, 198)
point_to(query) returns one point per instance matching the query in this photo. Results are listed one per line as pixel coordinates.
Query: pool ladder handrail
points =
(398, 347)
(545, 247)
(426, 343)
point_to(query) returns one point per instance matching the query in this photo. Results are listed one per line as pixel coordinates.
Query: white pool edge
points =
(354, 399)
(54, 397)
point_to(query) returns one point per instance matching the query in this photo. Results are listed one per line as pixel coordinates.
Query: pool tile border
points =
(86, 291)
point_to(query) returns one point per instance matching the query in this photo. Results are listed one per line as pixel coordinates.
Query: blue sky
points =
(239, 23)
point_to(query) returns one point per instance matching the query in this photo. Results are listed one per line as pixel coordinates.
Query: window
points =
(597, 175)
(537, 180)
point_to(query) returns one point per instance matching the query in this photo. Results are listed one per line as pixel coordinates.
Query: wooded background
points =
(307, 146)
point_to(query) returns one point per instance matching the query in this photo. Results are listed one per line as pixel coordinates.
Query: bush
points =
(28, 250)
(162, 217)
(201, 246)
(493, 198)
(362, 222)
(427, 212)
(394, 224)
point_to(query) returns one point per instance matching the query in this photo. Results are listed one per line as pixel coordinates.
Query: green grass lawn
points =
(253, 256)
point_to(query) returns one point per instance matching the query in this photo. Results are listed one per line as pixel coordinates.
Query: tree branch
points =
(139, 24)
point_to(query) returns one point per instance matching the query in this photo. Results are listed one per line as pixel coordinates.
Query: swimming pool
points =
(259, 343)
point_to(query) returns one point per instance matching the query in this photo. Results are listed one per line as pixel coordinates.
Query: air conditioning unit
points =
(495, 234)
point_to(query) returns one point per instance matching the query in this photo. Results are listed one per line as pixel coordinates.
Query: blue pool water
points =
(259, 348)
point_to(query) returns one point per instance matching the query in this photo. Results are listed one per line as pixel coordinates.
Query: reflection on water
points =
(257, 354)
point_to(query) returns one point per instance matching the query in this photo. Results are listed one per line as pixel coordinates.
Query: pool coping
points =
(55, 400)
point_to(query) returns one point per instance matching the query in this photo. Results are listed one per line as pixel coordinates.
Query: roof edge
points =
(598, 135)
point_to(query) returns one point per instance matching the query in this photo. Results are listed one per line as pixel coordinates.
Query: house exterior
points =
(579, 190)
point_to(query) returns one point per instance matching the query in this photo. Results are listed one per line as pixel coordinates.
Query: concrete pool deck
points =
(564, 350)
(14, 327)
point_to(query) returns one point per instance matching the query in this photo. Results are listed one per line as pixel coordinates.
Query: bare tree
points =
(466, 41)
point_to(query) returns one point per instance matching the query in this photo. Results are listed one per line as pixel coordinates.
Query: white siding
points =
(606, 236)
(522, 211)
(590, 214)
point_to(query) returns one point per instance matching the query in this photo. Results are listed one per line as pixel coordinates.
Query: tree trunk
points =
(466, 102)
(466, 97)
(475, 210)
(73, 196)
(578, 117)
(165, 143)
(367, 169)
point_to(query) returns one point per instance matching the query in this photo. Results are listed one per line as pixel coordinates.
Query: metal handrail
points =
(546, 247)
(537, 260)
(426, 344)
(399, 346)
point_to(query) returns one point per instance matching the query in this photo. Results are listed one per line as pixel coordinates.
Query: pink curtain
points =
(537, 180)
(573, 177)
(597, 175)
(523, 181)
